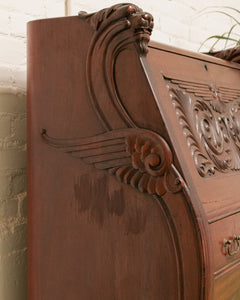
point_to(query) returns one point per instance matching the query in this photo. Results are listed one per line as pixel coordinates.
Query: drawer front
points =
(227, 284)
(225, 242)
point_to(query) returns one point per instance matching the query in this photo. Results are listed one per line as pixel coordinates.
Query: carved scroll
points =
(210, 120)
(120, 27)
(137, 157)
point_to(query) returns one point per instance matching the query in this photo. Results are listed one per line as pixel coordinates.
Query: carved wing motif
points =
(210, 119)
(137, 157)
(217, 97)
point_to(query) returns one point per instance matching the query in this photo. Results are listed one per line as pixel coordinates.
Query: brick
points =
(174, 28)
(4, 22)
(20, 129)
(13, 241)
(12, 103)
(176, 10)
(13, 159)
(5, 77)
(55, 8)
(18, 184)
(77, 6)
(12, 79)
(22, 206)
(18, 23)
(34, 7)
(5, 126)
(19, 78)
(157, 35)
(13, 276)
(182, 43)
(13, 51)
(13, 145)
(8, 209)
(5, 180)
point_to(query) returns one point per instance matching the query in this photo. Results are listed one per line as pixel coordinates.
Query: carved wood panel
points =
(137, 157)
(209, 116)
(116, 28)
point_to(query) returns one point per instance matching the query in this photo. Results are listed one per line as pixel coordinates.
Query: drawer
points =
(226, 285)
(225, 254)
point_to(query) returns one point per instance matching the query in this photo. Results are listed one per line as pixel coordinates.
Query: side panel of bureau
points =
(145, 120)
(90, 237)
(94, 238)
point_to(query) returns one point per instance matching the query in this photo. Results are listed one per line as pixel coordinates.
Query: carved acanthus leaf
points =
(115, 29)
(126, 20)
(210, 119)
(137, 157)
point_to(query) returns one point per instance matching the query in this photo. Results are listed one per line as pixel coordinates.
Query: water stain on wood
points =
(94, 197)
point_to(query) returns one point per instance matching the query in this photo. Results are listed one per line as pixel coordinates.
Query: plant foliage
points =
(231, 37)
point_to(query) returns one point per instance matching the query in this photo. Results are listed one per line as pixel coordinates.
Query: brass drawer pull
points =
(232, 246)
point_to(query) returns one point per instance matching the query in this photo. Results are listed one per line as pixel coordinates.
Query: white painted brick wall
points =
(177, 22)
(13, 223)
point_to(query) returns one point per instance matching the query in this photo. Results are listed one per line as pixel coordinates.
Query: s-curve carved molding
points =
(210, 119)
(137, 157)
(119, 27)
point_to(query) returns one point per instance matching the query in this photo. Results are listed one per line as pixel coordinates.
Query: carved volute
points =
(210, 118)
(138, 157)
(120, 27)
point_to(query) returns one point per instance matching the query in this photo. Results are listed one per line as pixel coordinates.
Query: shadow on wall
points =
(13, 221)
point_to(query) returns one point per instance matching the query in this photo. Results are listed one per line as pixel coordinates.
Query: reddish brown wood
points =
(135, 156)
(134, 163)
(231, 54)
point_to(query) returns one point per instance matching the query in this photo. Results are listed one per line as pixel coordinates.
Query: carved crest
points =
(210, 119)
(126, 21)
(115, 29)
(137, 157)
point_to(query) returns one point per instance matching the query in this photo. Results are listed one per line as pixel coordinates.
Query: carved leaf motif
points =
(210, 119)
(123, 17)
(137, 157)
(217, 97)
(119, 27)
(233, 122)
(181, 104)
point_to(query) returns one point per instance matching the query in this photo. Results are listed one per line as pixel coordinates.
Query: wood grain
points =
(133, 153)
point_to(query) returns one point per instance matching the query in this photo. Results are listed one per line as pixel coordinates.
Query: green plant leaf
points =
(230, 35)
(217, 6)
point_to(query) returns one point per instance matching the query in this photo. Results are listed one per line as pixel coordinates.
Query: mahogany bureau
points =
(134, 163)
